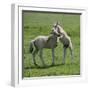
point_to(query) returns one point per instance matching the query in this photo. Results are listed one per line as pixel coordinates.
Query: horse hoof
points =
(63, 63)
(35, 64)
(52, 64)
(44, 65)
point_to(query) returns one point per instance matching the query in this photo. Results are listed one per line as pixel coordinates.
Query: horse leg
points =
(71, 51)
(33, 55)
(41, 57)
(53, 56)
(64, 55)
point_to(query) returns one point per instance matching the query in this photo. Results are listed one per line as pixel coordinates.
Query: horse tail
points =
(32, 46)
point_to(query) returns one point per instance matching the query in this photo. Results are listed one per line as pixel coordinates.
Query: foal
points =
(65, 40)
(41, 42)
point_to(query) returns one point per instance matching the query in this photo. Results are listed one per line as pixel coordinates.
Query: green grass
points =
(35, 24)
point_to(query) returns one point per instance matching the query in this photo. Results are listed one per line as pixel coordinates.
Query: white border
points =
(16, 71)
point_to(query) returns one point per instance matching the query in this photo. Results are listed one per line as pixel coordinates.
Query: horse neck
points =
(62, 31)
(52, 36)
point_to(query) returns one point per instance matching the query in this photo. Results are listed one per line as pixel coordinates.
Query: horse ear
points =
(57, 23)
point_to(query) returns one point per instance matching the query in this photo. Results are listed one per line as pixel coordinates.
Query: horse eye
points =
(52, 30)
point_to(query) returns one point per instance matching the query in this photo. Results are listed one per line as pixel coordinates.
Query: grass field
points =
(37, 23)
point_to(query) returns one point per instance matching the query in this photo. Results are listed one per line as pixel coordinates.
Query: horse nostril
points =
(58, 35)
